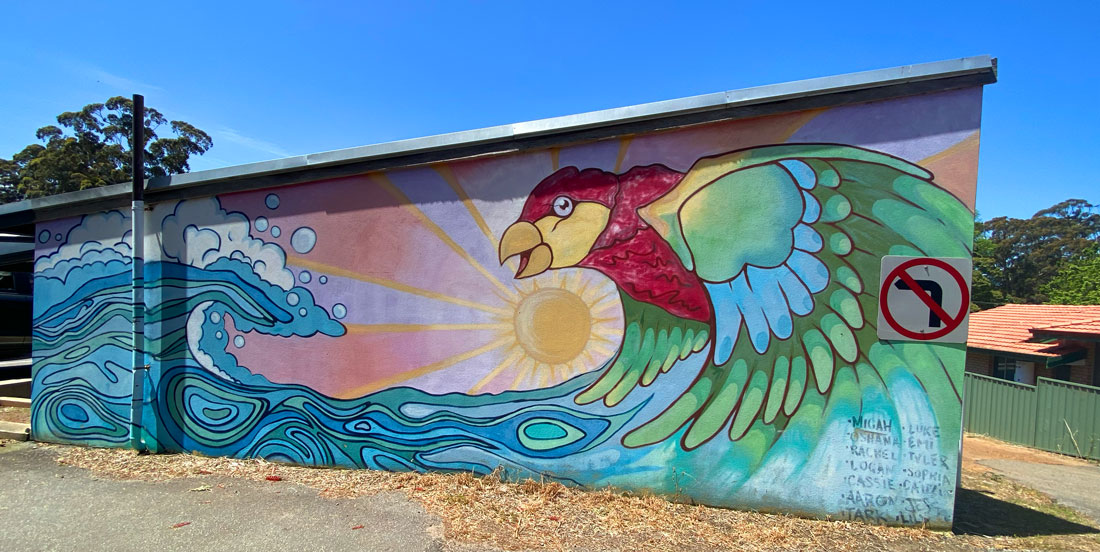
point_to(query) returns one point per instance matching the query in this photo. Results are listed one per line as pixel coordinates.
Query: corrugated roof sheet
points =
(1009, 328)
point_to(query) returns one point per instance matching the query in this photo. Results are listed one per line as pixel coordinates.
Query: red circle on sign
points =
(948, 325)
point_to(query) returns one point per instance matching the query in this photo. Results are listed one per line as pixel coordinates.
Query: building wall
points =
(704, 325)
(1088, 373)
(979, 363)
(1082, 371)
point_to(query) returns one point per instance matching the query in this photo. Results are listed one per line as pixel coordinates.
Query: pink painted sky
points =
(363, 229)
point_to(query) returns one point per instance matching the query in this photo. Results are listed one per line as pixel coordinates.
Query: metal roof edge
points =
(747, 102)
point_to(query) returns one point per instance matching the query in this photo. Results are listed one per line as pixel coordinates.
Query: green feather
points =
(778, 389)
(871, 205)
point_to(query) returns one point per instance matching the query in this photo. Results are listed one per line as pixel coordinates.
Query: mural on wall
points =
(689, 311)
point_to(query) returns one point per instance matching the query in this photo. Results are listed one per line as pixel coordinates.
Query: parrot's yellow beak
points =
(525, 239)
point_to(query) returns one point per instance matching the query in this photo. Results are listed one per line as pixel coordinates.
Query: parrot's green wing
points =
(653, 340)
(788, 241)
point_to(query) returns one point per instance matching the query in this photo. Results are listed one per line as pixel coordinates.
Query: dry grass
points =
(531, 515)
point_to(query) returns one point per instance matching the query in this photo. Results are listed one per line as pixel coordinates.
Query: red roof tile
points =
(1009, 328)
(1081, 327)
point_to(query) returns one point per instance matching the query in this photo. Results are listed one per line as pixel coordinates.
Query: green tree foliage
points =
(92, 148)
(983, 294)
(1018, 256)
(1078, 283)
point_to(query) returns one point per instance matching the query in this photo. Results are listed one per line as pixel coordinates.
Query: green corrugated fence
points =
(1068, 418)
(999, 408)
(1052, 415)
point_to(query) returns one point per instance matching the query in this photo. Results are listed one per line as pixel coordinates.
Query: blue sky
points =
(279, 78)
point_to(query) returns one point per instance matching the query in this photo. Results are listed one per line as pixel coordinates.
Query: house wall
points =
(704, 325)
(979, 363)
(1088, 373)
(1082, 371)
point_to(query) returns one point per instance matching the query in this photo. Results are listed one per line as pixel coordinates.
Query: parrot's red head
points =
(590, 219)
(561, 220)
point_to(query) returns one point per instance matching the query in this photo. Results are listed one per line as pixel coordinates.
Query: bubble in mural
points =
(218, 335)
(58, 236)
(303, 240)
(304, 277)
(323, 279)
(302, 311)
(276, 231)
(238, 341)
(261, 224)
(339, 311)
(292, 299)
(44, 236)
(215, 317)
(272, 201)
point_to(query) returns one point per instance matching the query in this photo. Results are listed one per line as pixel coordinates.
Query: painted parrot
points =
(764, 259)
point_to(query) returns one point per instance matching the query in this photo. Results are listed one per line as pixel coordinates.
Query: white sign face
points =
(924, 299)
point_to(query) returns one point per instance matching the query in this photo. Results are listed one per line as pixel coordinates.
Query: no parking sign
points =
(924, 299)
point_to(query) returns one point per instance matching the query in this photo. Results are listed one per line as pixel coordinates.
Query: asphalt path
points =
(1075, 486)
(48, 506)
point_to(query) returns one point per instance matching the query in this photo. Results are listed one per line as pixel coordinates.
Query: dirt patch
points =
(1007, 514)
(15, 414)
(978, 447)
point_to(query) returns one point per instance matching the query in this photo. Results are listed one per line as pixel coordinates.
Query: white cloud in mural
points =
(198, 232)
(94, 240)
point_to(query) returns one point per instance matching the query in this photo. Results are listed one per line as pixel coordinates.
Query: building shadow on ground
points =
(977, 513)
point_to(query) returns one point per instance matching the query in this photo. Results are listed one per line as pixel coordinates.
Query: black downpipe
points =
(137, 220)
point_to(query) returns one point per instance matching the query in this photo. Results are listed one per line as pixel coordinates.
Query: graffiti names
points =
(895, 474)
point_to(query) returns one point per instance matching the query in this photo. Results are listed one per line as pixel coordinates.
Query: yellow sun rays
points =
(403, 328)
(449, 177)
(971, 141)
(384, 182)
(535, 348)
(556, 329)
(391, 284)
(515, 355)
(383, 383)
(624, 144)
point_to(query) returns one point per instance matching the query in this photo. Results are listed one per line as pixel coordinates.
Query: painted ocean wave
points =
(206, 402)
(198, 397)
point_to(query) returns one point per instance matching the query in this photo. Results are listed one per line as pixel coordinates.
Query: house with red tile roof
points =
(1024, 342)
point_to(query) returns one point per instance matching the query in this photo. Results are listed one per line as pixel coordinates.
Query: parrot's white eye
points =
(563, 206)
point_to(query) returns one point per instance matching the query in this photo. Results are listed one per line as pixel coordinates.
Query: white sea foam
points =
(95, 239)
(194, 335)
(198, 232)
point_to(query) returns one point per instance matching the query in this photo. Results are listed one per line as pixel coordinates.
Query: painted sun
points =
(559, 326)
(499, 332)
